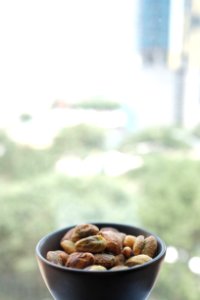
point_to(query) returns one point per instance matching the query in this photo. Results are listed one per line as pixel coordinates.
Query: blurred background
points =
(99, 121)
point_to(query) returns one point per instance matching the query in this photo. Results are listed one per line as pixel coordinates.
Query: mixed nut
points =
(99, 249)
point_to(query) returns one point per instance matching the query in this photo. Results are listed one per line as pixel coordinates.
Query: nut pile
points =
(90, 248)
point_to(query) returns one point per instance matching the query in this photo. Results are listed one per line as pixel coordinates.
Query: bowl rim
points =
(102, 224)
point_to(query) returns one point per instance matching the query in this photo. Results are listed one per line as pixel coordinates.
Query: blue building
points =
(154, 30)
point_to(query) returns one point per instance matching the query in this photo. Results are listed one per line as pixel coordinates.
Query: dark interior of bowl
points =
(132, 284)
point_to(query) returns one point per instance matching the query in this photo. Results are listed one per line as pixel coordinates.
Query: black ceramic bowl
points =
(134, 283)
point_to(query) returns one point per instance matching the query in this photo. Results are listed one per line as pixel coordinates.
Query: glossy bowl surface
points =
(134, 283)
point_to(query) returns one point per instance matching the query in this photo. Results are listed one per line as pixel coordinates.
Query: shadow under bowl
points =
(134, 283)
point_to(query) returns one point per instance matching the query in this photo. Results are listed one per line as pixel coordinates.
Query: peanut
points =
(138, 245)
(127, 252)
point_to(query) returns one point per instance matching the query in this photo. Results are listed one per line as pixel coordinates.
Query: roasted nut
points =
(84, 230)
(109, 229)
(127, 252)
(129, 241)
(68, 246)
(86, 247)
(116, 268)
(119, 260)
(93, 244)
(150, 246)
(106, 260)
(57, 257)
(80, 260)
(114, 241)
(68, 235)
(138, 245)
(137, 260)
(95, 268)
(64, 257)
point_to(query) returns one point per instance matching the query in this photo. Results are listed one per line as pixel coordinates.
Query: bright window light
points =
(194, 265)
(171, 255)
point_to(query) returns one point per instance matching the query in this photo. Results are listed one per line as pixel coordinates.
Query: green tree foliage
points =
(158, 138)
(162, 196)
(19, 161)
(196, 131)
(33, 207)
(98, 104)
(36, 206)
(170, 193)
(176, 282)
(78, 140)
